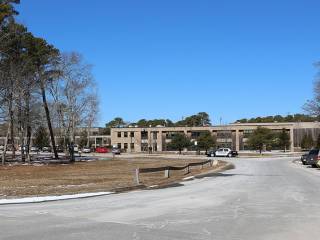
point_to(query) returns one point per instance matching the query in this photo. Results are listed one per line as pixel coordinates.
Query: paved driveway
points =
(270, 199)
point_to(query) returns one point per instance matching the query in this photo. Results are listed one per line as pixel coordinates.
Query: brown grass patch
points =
(108, 175)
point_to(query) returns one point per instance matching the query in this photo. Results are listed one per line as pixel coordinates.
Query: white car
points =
(75, 148)
(86, 150)
(34, 149)
(224, 152)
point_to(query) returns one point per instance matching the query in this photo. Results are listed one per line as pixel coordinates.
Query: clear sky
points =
(173, 58)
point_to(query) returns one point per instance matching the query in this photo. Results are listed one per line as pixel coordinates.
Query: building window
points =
(155, 135)
(125, 134)
(119, 145)
(144, 135)
(131, 146)
(119, 134)
(132, 134)
(224, 134)
(125, 146)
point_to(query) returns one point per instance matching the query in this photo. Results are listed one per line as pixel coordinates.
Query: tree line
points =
(41, 88)
(278, 118)
(196, 120)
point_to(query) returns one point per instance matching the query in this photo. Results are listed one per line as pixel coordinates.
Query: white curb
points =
(51, 198)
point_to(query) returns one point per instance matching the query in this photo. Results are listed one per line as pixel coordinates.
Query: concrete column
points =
(137, 142)
(237, 140)
(150, 140)
(291, 140)
(95, 142)
(159, 141)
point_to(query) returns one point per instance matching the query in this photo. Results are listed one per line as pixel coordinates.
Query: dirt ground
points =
(92, 176)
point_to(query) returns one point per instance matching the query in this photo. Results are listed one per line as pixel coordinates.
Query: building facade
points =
(234, 136)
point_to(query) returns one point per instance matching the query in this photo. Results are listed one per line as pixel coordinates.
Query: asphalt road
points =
(267, 199)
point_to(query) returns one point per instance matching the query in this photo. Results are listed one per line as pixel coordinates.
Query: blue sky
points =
(173, 58)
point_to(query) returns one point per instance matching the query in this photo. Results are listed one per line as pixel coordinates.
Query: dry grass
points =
(109, 175)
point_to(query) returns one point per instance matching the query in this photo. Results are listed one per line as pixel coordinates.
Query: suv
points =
(312, 158)
(225, 152)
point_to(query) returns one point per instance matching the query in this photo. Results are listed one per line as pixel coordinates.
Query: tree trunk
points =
(28, 127)
(5, 145)
(88, 135)
(11, 114)
(45, 105)
(20, 133)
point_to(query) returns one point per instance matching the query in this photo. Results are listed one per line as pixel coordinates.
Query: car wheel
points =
(229, 155)
(314, 165)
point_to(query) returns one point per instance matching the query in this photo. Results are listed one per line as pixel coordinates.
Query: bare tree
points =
(313, 106)
(74, 95)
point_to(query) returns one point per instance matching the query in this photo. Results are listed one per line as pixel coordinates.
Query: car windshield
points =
(313, 152)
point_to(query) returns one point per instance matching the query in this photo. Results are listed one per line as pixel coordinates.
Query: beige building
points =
(234, 136)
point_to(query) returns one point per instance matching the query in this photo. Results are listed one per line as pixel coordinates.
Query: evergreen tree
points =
(179, 142)
(41, 138)
(260, 138)
(284, 140)
(206, 141)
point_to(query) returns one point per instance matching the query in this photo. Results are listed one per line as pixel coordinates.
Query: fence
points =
(167, 169)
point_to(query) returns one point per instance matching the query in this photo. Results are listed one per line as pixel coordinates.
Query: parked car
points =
(313, 157)
(24, 147)
(59, 149)
(304, 159)
(46, 149)
(102, 150)
(34, 149)
(225, 152)
(10, 147)
(86, 150)
(76, 148)
(116, 151)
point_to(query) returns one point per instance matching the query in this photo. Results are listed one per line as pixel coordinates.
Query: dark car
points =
(304, 159)
(59, 149)
(234, 153)
(116, 151)
(312, 158)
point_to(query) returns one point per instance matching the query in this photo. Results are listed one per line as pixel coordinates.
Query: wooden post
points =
(167, 173)
(215, 163)
(137, 176)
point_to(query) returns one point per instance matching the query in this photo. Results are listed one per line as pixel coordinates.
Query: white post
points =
(167, 173)
(137, 176)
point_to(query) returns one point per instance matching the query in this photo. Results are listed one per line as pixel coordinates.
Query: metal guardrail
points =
(167, 169)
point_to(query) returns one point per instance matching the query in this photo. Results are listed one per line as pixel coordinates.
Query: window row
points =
(125, 146)
(125, 134)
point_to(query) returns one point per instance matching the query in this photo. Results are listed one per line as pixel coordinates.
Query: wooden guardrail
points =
(167, 169)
